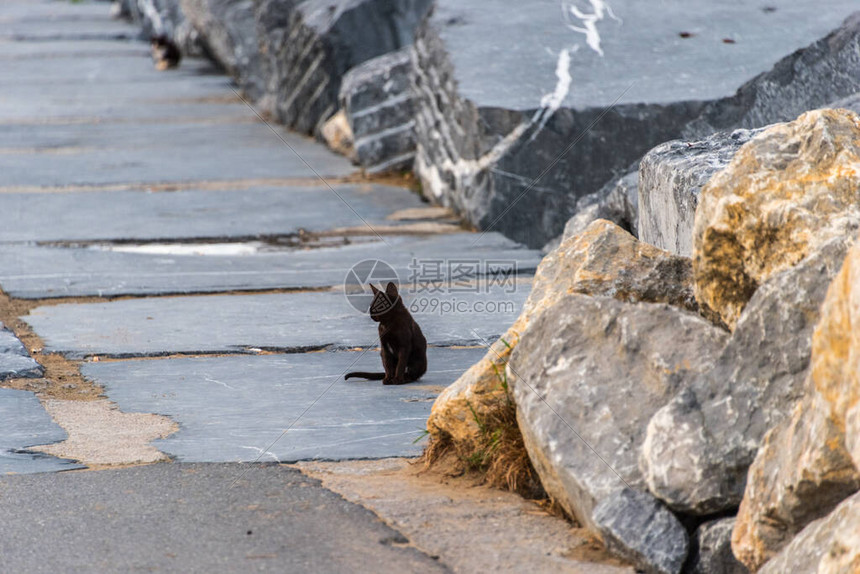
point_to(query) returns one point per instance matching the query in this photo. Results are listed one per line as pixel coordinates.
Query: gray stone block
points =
(809, 78)
(161, 18)
(15, 361)
(671, 177)
(617, 201)
(34, 272)
(228, 32)
(24, 423)
(586, 376)
(495, 115)
(234, 323)
(119, 159)
(378, 102)
(851, 103)
(636, 526)
(711, 549)
(213, 214)
(698, 447)
(312, 45)
(236, 408)
(389, 150)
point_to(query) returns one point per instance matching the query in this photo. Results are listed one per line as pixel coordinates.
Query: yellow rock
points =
(807, 465)
(785, 192)
(604, 260)
(836, 352)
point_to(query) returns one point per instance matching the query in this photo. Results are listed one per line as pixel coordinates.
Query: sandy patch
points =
(100, 434)
(470, 528)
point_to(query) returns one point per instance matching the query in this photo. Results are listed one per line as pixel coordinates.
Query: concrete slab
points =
(187, 518)
(24, 423)
(14, 360)
(177, 215)
(232, 409)
(30, 272)
(200, 152)
(240, 323)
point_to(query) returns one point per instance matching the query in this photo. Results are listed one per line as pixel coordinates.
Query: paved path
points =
(187, 518)
(165, 245)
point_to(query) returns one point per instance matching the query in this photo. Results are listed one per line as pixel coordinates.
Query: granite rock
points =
(378, 103)
(786, 192)
(810, 463)
(604, 260)
(338, 136)
(830, 545)
(617, 201)
(228, 32)
(497, 117)
(836, 352)
(711, 549)
(849, 103)
(802, 471)
(699, 446)
(671, 177)
(162, 18)
(587, 376)
(635, 526)
(809, 78)
(312, 44)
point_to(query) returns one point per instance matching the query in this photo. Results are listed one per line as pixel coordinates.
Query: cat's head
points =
(383, 301)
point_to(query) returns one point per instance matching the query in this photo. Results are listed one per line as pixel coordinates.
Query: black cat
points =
(165, 54)
(403, 346)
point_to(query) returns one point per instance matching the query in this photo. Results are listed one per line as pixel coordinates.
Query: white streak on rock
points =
(589, 21)
(551, 102)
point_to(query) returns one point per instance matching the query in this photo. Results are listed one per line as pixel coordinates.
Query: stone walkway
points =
(189, 260)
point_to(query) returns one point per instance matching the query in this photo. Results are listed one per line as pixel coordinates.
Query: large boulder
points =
(605, 260)
(802, 471)
(813, 77)
(671, 177)
(850, 103)
(808, 464)
(508, 117)
(378, 103)
(228, 32)
(787, 191)
(635, 526)
(830, 545)
(617, 201)
(311, 45)
(699, 446)
(711, 549)
(586, 378)
(162, 18)
(836, 352)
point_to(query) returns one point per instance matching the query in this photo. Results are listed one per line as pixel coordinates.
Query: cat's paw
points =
(393, 381)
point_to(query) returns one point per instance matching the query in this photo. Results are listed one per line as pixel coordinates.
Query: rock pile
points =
(685, 370)
(653, 421)
(291, 59)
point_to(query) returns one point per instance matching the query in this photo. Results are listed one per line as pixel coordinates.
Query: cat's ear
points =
(391, 291)
(373, 288)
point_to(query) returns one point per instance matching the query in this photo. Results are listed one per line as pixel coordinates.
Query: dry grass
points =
(498, 458)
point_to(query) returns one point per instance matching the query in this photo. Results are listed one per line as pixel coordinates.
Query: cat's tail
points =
(368, 376)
